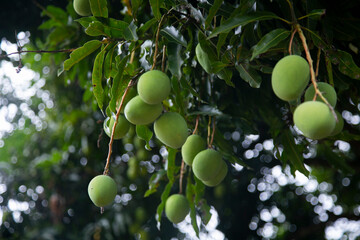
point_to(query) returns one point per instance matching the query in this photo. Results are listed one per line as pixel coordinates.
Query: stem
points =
(213, 132)
(209, 131)
(163, 59)
(312, 72)
(196, 124)
(181, 175)
(39, 51)
(291, 40)
(317, 63)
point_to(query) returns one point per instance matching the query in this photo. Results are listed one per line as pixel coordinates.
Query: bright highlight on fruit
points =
(139, 112)
(82, 7)
(290, 77)
(209, 167)
(102, 190)
(314, 119)
(193, 145)
(153, 87)
(176, 208)
(326, 90)
(171, 129)
(122, 127)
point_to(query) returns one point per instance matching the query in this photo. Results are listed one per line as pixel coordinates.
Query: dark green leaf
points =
(203, 58)
(174, 59)
(116, 28)
(346, 64)
(292, 153)
(334, 159)
(85, 21)
(95, 29)
(190, 194)
(226, 75)
(81, 52)
(154, 182)
(212, 12)
(155, 7)
(205, 211)
(270, 40)
(173, 35)
(109, 65)
(249, 75)
(130, 32)
(99, 8)
(57, 14)
(146, 26)
(97, 76)
(329, 70)
(164, 197)
(316, 13)
(199, 190)
(242, 20)
(171, 167)
(143, 132)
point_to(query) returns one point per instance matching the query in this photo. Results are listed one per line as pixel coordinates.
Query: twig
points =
(291, 40)
(318, 63)
(19, 49)
(163, 59)
(213, 132)
(196, 124)
(181, 175)
(312, 72)
(209, 132)
(38, 51)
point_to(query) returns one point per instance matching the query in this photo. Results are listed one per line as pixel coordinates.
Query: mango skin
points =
(193, 145)
(218, 178)
(207, 165)
(102, 190)
(327, 91)
(314, 119)
(153, 87)
(140, 113)
(176, 208)
(122, 127)
(290, 77)
(171, 129)
(82, 7)
(339, 125)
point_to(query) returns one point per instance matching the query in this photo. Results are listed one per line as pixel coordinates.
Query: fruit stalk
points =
(210, 137)
(312, 72)
(181, 176)
(196, 124)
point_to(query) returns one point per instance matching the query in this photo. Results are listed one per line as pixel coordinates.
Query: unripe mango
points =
(171, 129)
(193, 145)
(290, 77)
(122, 127)
(153, 87)
(207, 164)
(176, 208)
(102, 190)
(219, 177)
(82, 7)
(339, 125)
(327, 91)
(314, 119)
(140, 113)
(130, 95)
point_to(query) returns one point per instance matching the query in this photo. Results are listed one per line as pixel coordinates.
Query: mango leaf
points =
(97, 76)
(316, 13)
(57, 14)
(95, 29)
(346, 64)
(292, 153)
(226, 75)
(80, 53)
(143, 132)
(154, 182)
(85, 21)
(164, 197)
(199, 190)
(118, 86)
(146, 26)
(203, 58)
(171, 167)
(173, 35)
(334, 159)
(249, 75)
(205, 211)
(155, 7)
(212, 12)
(174, 59)
(116, 28)
(130, 32)
(242, 20)
(270, 40)
(190, 195)
(99, 8)
(109, 65)
(329, 70)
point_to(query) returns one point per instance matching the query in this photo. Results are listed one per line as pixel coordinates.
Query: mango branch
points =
(312, 72)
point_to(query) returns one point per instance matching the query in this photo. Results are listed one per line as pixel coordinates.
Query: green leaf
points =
(130, 32)
(173, 35)
(116, 28)
(270, 40)
(199, 190)
(154, 182)
(95, 29)
(316, 13)
(226, 75)
(118, 86)
(203, 58)
(334, 159)
(190, 194)
(99, 8)
(242, 20)
(57, 14)
(85, 21)
(109, 65)
(171, 167)
(143, 132)
(212, 12)
(146, 26)
(249, 75)
(346, 64)
(155, 7)
(292, 153)
(205, 211)
(174, 59)
(97, 76)
(80, 53)
(164, 197)
(329, 70)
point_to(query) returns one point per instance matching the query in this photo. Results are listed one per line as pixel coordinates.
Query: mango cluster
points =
(314, 119)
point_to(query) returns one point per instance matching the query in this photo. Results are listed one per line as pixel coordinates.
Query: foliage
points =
(219, 56)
